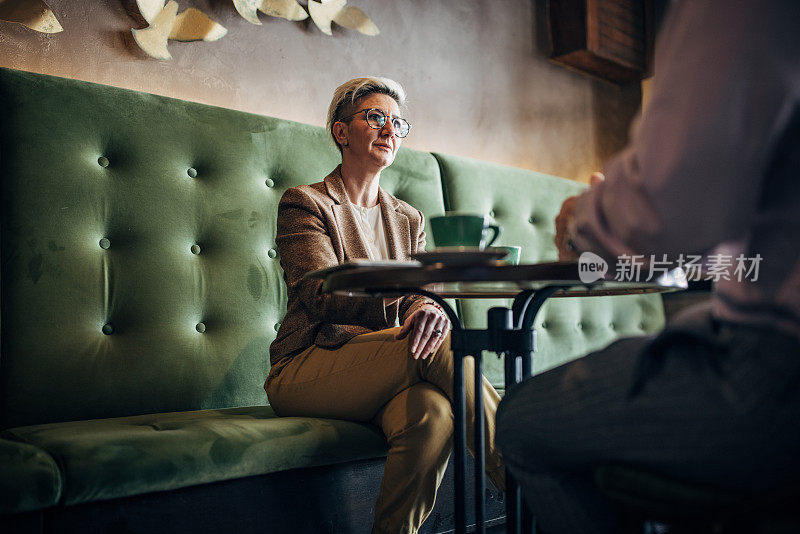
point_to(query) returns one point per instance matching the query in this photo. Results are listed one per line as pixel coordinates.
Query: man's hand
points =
(566, 252)
(428, 327)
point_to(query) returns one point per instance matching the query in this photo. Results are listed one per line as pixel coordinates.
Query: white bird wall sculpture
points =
(285, 9)
(35, 14)
(166, 23)
(323, 13)
(327, 11)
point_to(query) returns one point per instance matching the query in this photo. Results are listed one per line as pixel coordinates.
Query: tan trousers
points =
(374, 379)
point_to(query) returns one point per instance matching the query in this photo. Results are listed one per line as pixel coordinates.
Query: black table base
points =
(510, 334)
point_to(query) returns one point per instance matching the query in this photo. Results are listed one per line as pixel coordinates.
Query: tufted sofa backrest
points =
(139, 270)
(525, 204)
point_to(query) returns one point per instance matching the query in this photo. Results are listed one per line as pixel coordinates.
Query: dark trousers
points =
(707, 403)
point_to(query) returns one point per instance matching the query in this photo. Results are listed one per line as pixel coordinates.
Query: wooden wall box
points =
(604, 38)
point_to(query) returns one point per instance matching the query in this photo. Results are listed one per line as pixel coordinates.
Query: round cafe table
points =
(509, 333)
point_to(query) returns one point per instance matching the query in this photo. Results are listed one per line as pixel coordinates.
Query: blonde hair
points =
(346, 95)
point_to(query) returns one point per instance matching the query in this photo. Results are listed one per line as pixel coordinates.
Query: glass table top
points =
(492, 280)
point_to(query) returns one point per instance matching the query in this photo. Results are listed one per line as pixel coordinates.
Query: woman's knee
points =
(438, 412)
(421, 412)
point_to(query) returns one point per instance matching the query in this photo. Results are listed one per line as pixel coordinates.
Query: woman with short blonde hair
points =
(343, 357)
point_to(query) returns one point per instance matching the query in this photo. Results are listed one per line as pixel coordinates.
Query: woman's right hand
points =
(428, 327)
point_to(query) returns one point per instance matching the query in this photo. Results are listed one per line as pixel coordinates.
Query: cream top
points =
(370, 225)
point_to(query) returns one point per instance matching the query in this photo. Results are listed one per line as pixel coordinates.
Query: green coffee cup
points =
(513, 256)
(463, 230)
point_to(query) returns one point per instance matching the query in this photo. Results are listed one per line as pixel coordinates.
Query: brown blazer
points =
(317, 228)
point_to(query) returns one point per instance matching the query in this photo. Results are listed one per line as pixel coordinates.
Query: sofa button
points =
(105, 244)
(108, 329)
(276, 326)
(544, 324)
(641, 326)
(491, 213)
(532, 219)
(272, 253)
(579, 325)
(612, 326)
(103, 161)
(195, 249)
(200, 327)
(269, 182)
(192, 172)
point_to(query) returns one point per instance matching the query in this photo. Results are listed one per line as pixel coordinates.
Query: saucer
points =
(460, 255)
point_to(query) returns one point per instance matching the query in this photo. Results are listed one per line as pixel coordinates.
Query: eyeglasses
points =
(376, 119)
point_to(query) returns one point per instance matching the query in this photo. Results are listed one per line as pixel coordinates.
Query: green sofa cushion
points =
(525, 204)
(29, 478)
(110, 458)
(138, 252)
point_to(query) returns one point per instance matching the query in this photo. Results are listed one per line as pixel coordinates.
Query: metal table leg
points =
(480, 453)
(460, 442)
(518, 367)
(514, 504)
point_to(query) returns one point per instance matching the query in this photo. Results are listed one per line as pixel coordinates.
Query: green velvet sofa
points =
(141, 289)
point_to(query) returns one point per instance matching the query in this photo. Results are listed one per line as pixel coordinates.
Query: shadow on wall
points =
(613, 107)
(541, 34)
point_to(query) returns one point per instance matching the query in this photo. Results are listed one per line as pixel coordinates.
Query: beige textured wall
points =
(475, 70)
